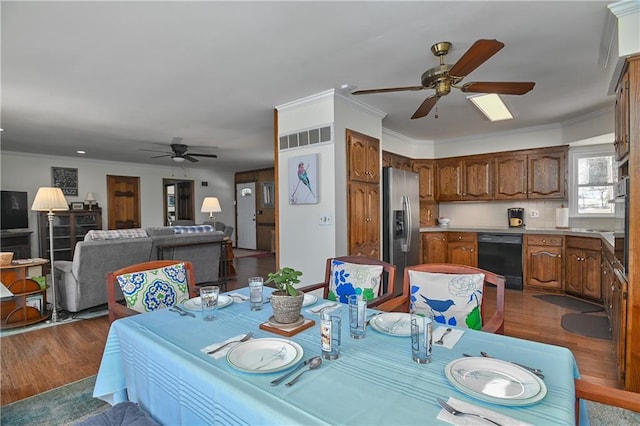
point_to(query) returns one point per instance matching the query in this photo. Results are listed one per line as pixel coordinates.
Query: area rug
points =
(587, 325)
(64, 318)
(238, 253)
(65, 405)
(570, 303)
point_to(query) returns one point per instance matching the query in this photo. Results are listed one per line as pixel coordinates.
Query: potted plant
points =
(286, 301)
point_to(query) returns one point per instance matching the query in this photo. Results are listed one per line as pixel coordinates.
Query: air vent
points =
(306, 138)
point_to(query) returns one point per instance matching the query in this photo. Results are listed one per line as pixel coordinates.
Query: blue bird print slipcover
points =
(154, 289)
(455, 299)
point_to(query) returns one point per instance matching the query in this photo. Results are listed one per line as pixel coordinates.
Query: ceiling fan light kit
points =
(443, 77)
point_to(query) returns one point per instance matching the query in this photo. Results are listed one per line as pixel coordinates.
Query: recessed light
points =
(81, 152)
(492, 106)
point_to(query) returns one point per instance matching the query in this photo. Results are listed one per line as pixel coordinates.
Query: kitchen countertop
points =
(606, 236)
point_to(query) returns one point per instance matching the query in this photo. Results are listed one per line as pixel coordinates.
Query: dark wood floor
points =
(40, 360)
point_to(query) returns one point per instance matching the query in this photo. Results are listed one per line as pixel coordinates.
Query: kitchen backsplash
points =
(494, 214)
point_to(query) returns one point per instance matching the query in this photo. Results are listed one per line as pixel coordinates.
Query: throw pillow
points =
(154, 289)
(351, 278)
(192, 229)
(455, 299)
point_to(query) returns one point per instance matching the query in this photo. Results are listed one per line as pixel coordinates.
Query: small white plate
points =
(393, 324)
(261, 356)
(194, 304)
(309, 299)
(495, 381)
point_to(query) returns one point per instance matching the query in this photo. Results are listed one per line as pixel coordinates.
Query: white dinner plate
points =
(496, 381)
(309, 299)
(194, 304)
(264, 355)
(392, 323)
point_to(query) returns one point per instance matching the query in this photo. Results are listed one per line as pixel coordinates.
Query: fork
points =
(455, 412)
(244, 339)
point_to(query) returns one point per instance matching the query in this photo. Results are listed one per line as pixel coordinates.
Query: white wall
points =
(28, 172)
(402, 145)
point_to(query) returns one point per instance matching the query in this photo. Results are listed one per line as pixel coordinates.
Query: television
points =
(14, 210)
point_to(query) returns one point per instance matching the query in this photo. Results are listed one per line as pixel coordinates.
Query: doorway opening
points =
(177, 200)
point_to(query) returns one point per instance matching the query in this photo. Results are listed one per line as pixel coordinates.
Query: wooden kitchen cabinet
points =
(364, 220)
(622, 120)
(531, 174)
(434, 247)
(426, 178)
(462, 248)
(583, 258)
(363, 153)
(389, 159)
(464, 179)
(543, 262)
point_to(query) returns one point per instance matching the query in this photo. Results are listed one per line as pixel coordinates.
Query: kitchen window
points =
(592, 177)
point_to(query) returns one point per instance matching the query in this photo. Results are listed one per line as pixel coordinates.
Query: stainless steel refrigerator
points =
(401, 220)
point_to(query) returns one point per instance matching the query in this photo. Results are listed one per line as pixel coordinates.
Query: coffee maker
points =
(516, 217)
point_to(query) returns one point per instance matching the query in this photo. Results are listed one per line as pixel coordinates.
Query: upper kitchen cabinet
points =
(426, 172)
(363, 154)
(364, 220)
(532, 174)
(396, 161)
(622, 120)
(464, 179)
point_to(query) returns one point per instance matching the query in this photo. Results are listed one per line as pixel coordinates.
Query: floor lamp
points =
(50, 200)
(211, 205)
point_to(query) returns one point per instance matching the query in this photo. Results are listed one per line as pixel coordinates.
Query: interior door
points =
(123, 194)
(246, 215)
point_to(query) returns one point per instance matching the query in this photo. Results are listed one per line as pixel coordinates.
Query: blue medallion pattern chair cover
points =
(455, 293)
(347, 275)
(148, 286)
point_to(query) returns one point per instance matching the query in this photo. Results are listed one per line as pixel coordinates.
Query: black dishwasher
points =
(502, 254)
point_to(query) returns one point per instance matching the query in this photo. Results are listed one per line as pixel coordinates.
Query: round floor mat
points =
(587, 325)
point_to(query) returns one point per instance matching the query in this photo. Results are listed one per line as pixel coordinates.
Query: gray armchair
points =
(220, 226)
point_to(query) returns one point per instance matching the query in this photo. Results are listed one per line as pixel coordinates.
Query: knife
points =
(281, 378)
(191, 314)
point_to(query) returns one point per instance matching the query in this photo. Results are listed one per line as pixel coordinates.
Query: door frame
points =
(166, 182)
(251, 226)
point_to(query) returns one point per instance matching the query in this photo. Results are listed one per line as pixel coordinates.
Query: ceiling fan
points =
(180, 152)
(444, 76)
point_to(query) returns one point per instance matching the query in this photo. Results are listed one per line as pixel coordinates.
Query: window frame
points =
(576, 154)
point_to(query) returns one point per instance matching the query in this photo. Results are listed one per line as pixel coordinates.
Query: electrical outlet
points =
(535, 213)
(326, 220)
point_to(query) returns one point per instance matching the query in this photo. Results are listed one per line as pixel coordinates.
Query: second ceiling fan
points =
(445, 76)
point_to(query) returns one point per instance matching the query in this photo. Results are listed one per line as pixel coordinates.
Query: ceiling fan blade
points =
(204, 155)
(160, 156)
(389, 89)
(425, 108)
(153, 150)
(503, 88)
(188, 157)
(477, 54)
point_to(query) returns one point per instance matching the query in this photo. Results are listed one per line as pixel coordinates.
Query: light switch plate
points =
(326, 219)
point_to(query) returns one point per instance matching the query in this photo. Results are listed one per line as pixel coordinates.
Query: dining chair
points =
(148, 286)
(455, 293)
(346, 275)
(605, 395)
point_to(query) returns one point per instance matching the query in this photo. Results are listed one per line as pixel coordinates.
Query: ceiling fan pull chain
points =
(436, 114)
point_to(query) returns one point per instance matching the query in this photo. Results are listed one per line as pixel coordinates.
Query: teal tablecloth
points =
(154, 359)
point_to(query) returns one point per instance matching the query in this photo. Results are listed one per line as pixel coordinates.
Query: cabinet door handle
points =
(559, 255)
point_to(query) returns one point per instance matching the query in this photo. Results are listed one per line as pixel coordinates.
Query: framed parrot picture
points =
(303, 179)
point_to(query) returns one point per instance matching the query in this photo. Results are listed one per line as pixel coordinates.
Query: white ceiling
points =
(112, 78)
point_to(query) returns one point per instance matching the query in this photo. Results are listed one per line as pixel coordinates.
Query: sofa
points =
(81, 281)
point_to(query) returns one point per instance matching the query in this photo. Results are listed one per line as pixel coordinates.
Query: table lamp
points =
(211, 205)
(50, 200)
(90, 198)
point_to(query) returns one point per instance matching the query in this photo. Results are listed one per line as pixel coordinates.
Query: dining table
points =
(156, 359)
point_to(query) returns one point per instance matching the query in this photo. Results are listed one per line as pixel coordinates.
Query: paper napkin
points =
(317, 310)
(238, 298)
(222, 352)
(450, 339)
(473, 420)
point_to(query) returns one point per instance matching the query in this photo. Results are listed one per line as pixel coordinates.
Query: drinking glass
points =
(330, 324)
(357, 316)
(421, 335)
(209, 301)
(256, 286)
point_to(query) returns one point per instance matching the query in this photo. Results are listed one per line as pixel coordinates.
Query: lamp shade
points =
(210, 205)
(90, 196)
(49, 199)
